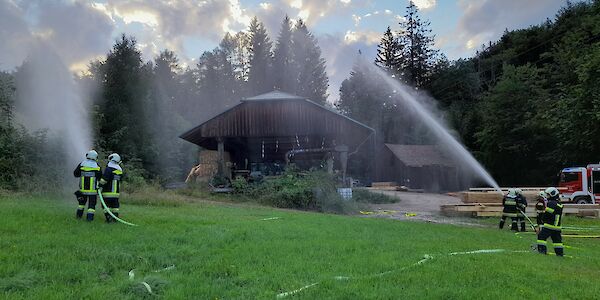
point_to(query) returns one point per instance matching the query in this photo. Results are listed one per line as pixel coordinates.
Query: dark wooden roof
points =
(277, 114)
(419, 155)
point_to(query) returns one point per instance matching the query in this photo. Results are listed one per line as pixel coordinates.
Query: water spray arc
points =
(435, 126)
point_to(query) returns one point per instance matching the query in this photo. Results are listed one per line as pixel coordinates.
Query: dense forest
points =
(525, 105)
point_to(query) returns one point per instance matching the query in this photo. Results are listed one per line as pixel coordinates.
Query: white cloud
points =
(486, 20)
(367, 37)
(425, 4)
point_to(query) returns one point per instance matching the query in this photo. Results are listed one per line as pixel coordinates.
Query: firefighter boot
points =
(90, 215)
(522, 226)
(108, 217)
(79, 212)
(501, 225)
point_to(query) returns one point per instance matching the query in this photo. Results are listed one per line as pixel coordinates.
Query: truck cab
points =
(580, 185)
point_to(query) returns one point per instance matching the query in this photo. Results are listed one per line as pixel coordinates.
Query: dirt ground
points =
(418, 207)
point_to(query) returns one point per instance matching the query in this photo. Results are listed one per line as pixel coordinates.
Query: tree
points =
(175, 156)
(283, 71)
(123, 113)
(259, 78)
(417, 43)
(389, 52)
(512, 136)
(311, 81)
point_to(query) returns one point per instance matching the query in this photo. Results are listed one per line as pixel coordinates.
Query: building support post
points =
(221, 157)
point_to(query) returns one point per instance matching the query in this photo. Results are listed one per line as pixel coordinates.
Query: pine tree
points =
(311, 81)
(259, 77)
(389, 52)
(417, 42)
(284, 76)
(123, 113)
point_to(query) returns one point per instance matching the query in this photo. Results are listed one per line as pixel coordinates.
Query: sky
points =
(81, 31)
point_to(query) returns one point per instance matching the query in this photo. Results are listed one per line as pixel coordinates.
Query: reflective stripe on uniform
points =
(556, 222)
(509, 214)
(91, 210)
(541, 242)
(558, 245)
(86, 169)
(552, 227)
(510, 203)
(81, 207)
(560, 205)
(550, 210)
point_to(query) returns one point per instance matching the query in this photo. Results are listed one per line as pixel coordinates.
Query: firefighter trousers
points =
(513, 225)
(544, 234)
(113, 205)
(91, 202)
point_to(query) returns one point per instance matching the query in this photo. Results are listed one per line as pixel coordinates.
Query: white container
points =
(346, 193)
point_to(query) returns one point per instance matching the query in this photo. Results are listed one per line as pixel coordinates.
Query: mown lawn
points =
(226, 251)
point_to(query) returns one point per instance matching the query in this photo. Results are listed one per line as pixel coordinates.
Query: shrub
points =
(365, 196)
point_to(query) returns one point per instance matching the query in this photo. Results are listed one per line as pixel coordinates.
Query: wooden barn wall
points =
(278, 118)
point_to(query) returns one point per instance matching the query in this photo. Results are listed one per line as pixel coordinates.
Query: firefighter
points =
(111, 186)
(552, 219)
(509, 202)
(521, 207)
(540, 206)
(89, 171)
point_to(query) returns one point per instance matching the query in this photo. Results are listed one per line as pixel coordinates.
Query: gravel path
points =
(418, 207)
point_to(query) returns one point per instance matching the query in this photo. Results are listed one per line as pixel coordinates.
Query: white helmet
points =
(92, 154)
(512, 193)
(552, 192)
(114, 158)
(543, 194)
(518, 191)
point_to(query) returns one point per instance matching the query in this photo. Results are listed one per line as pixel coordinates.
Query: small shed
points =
(265, 132)
(419, 167)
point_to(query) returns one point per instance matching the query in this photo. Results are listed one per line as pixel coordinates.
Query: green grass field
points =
(227, 251)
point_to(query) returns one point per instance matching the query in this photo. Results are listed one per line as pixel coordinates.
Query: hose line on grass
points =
(110, 212)
(425, 259)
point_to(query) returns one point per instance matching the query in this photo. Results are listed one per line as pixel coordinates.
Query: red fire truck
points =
(580, 185)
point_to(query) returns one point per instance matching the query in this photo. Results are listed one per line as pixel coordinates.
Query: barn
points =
(266, 132)
(422, 167)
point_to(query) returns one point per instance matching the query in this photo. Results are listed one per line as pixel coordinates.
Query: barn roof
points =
(277, 114)
(419, 155)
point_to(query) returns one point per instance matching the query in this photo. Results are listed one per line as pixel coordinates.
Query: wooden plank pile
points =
(387, 186)
(488, 203)
(495, 210)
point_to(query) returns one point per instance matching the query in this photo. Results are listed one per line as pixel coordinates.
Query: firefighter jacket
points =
(510, 206)
(521, 202)
(111, 180)
(89, 171)
(553, 214)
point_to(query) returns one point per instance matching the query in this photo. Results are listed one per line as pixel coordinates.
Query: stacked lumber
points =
(495, 210)
(387, 186)
(493, 196)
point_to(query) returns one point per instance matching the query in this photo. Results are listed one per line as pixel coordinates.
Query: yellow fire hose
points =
(110, 212)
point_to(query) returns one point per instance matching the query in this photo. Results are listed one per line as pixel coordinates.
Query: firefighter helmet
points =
(92, 154)
(114, 158)
(543, 194)
(518, 191)
(552, 192)
(512, 193)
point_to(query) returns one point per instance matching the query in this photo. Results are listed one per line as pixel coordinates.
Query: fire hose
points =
(528, 219)
(110, 212)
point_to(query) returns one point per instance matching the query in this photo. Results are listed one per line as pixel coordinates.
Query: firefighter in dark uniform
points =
(509, 202)
(111, 186)
(552, 219)
(89, 171)
(521, 207)
(540, 207)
